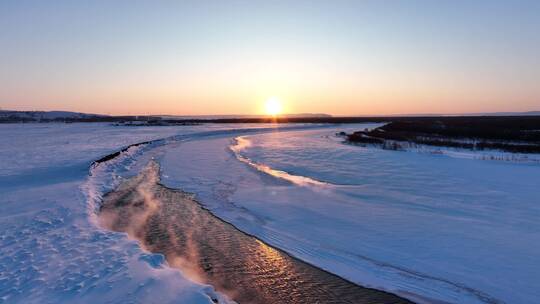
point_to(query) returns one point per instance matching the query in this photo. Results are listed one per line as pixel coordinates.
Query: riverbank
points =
(508, 134)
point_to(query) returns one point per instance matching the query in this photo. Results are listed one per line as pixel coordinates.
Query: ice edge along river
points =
(449, 291)
(414, 224)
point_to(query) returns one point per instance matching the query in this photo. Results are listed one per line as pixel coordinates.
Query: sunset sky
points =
(228, 57)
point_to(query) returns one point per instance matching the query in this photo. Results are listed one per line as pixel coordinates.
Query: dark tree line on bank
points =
(512, 134)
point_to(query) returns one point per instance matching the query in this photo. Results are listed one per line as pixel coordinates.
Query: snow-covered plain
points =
(429, 227)
(50, 249)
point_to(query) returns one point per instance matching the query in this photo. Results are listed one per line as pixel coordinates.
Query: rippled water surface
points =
(214, 252)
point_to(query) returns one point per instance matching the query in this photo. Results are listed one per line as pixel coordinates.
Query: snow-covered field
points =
(428, 227)
(50, 250)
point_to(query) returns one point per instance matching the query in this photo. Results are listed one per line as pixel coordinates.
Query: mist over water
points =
(211, 251)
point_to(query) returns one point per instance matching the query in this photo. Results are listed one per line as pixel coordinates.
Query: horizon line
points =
(534, 112)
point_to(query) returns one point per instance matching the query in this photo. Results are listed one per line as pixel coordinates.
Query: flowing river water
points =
(211, 251)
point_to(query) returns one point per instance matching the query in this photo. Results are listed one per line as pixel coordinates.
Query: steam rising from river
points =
(211, 251)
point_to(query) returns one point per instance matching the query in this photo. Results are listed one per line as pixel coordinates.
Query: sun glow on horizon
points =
(273, 106)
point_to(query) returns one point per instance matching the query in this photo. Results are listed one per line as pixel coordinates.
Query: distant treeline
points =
(512, 134)
(118, 119)
(512, 122)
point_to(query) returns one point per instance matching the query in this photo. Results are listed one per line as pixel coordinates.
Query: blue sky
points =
(227, 57)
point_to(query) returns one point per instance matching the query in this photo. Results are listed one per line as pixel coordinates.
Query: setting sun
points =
(273, 106)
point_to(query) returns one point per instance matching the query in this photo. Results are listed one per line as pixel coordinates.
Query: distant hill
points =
(307, 115)
(529, 113)
(31, 116)
(299, 115)
(66, 116)
(7, 116)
